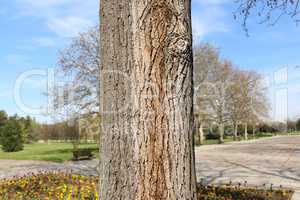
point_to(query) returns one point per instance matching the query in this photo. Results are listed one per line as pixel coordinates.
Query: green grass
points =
(210, 142)
(289, 133)
(54, 151)
(230, 138)
(60, 152)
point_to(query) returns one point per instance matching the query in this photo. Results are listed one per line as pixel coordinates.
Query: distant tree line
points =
(15, 131)
(72, 130)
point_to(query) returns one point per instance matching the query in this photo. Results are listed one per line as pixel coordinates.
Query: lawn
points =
(60, 152)
(230, 138)
(54, 151)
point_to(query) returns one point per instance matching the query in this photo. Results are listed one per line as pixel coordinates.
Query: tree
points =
(243, 97)
(236, 102)
(247, 102)
(12, 135)
(28, 125)
(298, 125)
(291, 125)
(3, 118)
(270, 11)
(206, 58)
(220, 80)
(146, 100)
(79, 64)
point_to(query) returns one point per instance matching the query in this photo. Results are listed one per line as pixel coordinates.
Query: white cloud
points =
(210, 20)
(209, 17)
(68, 26)
(65, 18)
(45, 41)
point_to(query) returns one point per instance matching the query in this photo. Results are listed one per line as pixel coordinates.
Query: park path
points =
(262, 162)
(11, 168)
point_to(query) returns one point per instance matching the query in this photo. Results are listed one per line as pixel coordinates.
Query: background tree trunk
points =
(201, 134)
(146, 101)
(246, 131)
(235, 134)
(211, 128)
(221, 133)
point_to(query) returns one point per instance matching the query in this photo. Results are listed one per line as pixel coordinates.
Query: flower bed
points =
(49, 186)
(239, 192)
(59, 185)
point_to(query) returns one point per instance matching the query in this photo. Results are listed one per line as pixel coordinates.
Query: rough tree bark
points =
(146, 100)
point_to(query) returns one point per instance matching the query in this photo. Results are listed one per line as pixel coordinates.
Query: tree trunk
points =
(211, 128)
(253, 131)
(221, 133)
(246, 131)
(201, 134)
(146, 101)
(235, 134)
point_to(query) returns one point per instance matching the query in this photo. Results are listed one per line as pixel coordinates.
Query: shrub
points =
(12, 136)
(214, 136)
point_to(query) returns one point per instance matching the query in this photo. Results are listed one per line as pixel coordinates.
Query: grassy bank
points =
(54, 151)
(241, 138)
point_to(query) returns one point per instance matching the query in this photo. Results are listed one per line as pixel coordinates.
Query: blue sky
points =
(33, 31)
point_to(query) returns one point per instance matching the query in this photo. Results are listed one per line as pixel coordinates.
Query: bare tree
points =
(247, 102)
(78, 64)
(146, 100)
(270, 11)
(206, 58)
(236, 101)
(221, 78)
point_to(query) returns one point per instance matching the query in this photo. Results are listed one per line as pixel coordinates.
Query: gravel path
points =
(267, 161)
(11, 168)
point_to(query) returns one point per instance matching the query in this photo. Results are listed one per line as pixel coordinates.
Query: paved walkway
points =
(11, 168)
(267, 161)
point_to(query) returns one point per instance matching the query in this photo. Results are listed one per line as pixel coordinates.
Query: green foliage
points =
(12, 135)
(298, 125)
(3, 118)
(29, 126)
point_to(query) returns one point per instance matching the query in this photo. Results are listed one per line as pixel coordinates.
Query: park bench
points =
(82, 154)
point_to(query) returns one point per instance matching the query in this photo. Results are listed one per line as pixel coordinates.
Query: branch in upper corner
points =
(268, 11)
